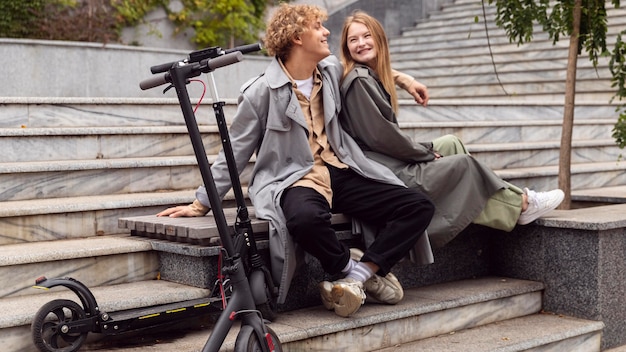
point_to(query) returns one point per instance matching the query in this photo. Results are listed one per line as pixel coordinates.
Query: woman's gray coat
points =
(458, 184)
(270, 122)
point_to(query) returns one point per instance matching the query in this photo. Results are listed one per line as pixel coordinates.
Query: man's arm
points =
(245, 133)
(418, 90)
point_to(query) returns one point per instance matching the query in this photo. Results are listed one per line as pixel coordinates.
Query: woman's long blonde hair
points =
(381, 45)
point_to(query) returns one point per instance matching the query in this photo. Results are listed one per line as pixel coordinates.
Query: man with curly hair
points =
(307, 167)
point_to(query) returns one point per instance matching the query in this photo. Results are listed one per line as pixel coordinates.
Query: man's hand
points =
(419, 92)
(194, 209)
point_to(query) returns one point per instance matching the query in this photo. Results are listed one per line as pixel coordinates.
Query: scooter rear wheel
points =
(47, 328)
(248, 341)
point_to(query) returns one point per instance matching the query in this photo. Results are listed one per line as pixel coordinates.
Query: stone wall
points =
(39, 68)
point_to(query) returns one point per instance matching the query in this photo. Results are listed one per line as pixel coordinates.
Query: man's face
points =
(315, 40)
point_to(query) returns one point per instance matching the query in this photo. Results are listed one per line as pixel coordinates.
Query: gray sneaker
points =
(539, 204)
(385, 289)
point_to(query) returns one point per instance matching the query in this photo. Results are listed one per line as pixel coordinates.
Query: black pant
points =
(402, 215)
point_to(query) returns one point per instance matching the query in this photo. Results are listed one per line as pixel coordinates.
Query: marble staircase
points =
(71, 167)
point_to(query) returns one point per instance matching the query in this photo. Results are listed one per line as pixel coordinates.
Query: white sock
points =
(349, 267)
(361, 272)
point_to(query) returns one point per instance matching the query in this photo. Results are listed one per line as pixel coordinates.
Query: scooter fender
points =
(84, 294)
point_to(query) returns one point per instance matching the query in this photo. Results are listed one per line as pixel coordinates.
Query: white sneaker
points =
(325, 294)
(348, 296)
(540, 203)
(383, 289)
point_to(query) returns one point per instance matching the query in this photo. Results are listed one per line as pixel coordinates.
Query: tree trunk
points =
(565, 155)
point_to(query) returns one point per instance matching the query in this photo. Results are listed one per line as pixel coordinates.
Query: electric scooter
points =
(63, 325)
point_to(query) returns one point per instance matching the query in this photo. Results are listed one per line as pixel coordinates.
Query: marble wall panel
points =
(98, 182)
(13, 116)
(68, 112)
(149, 145)
(47, 227)
(36, 148)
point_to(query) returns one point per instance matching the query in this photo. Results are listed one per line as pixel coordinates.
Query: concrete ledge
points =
(598, 218)
(580, 256)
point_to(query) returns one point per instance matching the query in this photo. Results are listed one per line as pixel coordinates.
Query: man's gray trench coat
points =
(269, 120)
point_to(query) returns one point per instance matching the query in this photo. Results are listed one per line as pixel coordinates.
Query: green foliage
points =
(517, 18)
(618, 69)
(132, 12)
(87, 21)
(223, 23)
(17, 18)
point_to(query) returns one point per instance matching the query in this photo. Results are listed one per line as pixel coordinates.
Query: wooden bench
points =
(203, 230)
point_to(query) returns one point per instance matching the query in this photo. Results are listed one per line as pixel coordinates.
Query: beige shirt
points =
(313, 109)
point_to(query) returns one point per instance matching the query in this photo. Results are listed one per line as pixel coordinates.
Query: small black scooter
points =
(63, 325)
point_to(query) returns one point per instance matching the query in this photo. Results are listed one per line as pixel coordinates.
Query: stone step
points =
(91, 143)
(470, 25)
(483, 64)
(500, 112)
(588, 78)
(583, 176)
(549, 90)
(470, 19)
(79, 217)
(51, 112)
(617, 349)
(18, 312)
(425, 312)
(104, 260)
(523, 73)
(528, 131)
(79, 178)
(604, 195)
(536, 332)
(533, 154)
(539, 49)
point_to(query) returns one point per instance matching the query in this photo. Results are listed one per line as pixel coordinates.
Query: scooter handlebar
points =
(154, 81)
(245, 49)
(211, 64)
(225, 60)
(162, 67)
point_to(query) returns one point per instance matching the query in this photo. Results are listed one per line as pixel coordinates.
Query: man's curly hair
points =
(288, 22)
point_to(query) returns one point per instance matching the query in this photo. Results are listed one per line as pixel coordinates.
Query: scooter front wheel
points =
(49, 327)
(248, 340)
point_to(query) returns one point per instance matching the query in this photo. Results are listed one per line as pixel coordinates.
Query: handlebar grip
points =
(224, 60)
(154, 81)
(162, 67)
(244, 49)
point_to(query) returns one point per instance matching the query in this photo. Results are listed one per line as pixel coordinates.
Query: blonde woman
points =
(463, 189)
